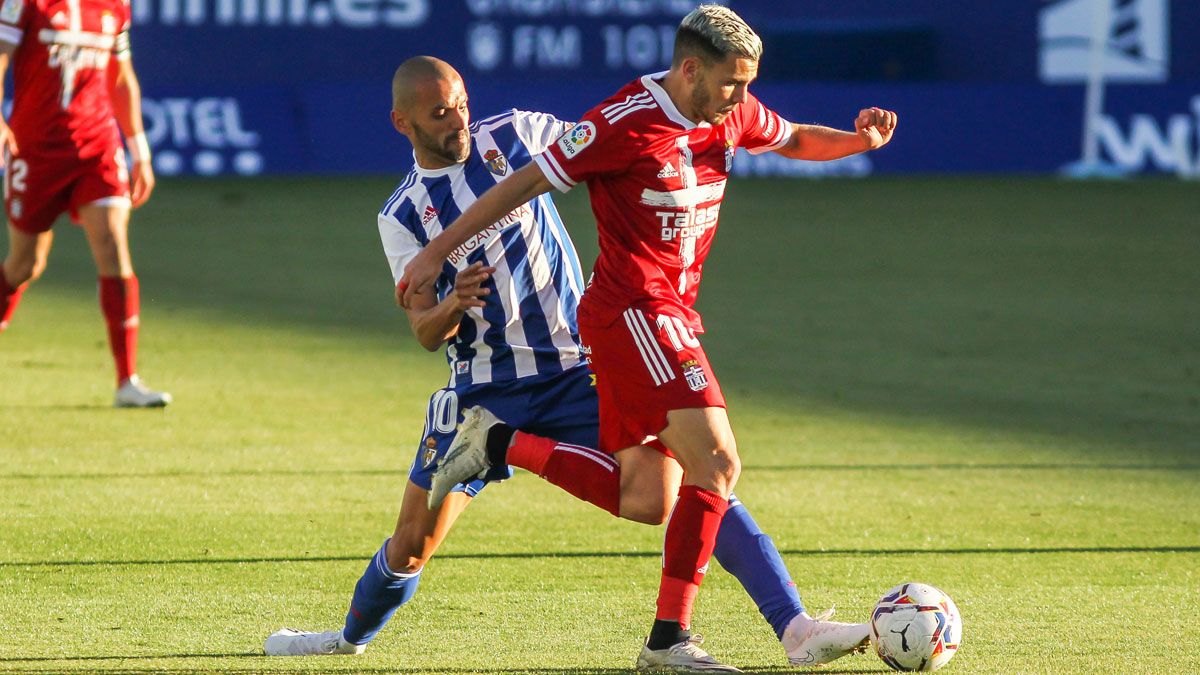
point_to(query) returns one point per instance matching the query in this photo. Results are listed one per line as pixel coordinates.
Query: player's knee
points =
(21, 271)
(724, 468)
(405, 555)
(647, 511)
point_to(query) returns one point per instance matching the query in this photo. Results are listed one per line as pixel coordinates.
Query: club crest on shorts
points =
(497, 163)
(694, 375)
(430, 451)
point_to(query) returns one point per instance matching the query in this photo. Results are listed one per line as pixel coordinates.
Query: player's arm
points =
(873, 129)
(126, 96)
(435, 322)
(8, 143)
(526, 184)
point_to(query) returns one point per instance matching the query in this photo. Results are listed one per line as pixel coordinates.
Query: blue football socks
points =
(750, 556)
(377, 595)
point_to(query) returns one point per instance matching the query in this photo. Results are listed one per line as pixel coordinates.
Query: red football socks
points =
(584, 472)
(9, 297)
(691, 536)
(120, 303)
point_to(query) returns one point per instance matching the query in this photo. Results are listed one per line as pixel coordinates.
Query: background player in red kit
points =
(75, 93)
(655, 157)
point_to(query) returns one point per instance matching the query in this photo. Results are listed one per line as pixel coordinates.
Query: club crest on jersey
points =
(579, 137)
(462, 367)
(729, 152)
(694, 375)
(430, 214)
(10, 12)
(430, 451)
(668, 171)
(496, 162)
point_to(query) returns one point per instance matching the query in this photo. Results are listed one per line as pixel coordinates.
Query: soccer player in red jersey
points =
(655, 157)
(75, 94)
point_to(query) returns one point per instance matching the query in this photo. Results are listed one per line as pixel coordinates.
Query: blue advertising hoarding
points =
(296, 86)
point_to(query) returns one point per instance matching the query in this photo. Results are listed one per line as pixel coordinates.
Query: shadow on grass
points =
(519, 555)
(331, 665)
(325, 473)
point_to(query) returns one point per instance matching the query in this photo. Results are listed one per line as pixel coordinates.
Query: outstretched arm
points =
(873, 129)
(419, 276)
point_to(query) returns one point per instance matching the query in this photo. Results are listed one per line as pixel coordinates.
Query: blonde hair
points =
(714, 32)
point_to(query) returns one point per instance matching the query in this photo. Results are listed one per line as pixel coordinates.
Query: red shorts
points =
(39, 187)
(646, 363)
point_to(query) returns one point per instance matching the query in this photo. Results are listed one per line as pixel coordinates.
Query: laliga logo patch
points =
(430, 451)
(694, 375)
(462, 367)
(10, 12)
(108, 23)
(496, 162)
(578, 138)
(729, 150)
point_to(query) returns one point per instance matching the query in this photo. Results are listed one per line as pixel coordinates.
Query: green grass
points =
(989, 385)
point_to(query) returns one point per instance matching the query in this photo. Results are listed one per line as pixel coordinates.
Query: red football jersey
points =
(61, 98)
(656, 182)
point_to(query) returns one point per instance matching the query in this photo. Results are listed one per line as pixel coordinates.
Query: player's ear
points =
(399, 123)
(690, 67)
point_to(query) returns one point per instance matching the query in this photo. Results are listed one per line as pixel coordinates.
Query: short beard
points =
(701, 99)
(431, 145)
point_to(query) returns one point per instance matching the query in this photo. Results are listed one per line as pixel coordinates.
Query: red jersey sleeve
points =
(761, 129)
(121, 45)
(593, 147)
(14, 17)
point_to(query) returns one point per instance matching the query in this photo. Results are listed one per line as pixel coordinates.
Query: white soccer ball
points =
(916, 627)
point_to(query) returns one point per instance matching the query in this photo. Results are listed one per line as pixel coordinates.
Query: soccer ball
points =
(915, 627)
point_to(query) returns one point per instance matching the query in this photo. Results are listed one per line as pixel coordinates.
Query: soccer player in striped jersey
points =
(504, 305)
(655, 157)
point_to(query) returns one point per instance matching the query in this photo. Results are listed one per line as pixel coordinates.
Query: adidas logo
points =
(430, 214)
(668, 171)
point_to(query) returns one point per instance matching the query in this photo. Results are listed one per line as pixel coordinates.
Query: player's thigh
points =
(37, 191)
(107, 228)
(421, 530)
(702, 440)
(650, 481)
(27, 253)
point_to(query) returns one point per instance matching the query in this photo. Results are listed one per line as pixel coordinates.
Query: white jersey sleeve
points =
(400, 245)
(538, 130)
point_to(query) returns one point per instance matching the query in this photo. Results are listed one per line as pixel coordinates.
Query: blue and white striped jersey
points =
(528, 325)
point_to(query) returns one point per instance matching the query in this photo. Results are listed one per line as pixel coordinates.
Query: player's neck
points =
(431, 162)
(676, 88)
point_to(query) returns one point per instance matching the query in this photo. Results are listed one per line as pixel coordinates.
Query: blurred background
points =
(1110, 87)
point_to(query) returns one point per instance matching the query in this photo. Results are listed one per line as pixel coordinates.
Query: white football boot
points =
(467, 457)
(134, 394)
(288, 642)
(683, 657)
(812, 642)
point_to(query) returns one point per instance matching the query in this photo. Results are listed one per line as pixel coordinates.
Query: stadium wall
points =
(302, 86)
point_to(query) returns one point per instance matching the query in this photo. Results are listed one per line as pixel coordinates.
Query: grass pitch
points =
(988, 385)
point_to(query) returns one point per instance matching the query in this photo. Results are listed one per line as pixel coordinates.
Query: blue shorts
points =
(561, 406)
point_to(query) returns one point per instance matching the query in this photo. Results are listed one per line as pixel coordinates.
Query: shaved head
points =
(416, 74)
(429, 106)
